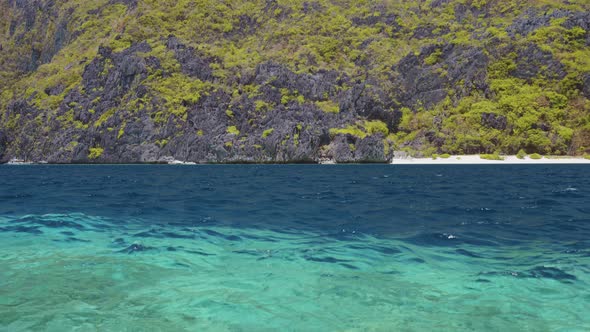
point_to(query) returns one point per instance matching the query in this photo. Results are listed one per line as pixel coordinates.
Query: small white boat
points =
(17, 161)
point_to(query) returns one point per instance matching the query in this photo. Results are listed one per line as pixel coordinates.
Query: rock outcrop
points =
(124, 81)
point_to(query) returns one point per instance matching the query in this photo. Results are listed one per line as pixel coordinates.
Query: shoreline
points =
(451, 160)
(477, 160)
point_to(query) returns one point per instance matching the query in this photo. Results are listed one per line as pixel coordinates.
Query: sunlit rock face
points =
(264, 81)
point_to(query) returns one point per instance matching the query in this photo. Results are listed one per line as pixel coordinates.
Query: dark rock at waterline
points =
(296, 131)
(3, 143)
(256, 105)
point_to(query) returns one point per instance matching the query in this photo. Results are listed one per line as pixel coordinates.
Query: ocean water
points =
(295, 248)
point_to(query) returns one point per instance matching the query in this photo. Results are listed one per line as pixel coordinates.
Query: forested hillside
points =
(291, 80)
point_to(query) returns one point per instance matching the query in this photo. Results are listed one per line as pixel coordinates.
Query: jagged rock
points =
(543, 126)
(56, 90)
(319, 86)
(272, 6)
(3, 143)
(401, 155)
(295, 132)
(341, 149)
(433, 138)
(190, 63)
(439, 3)
(112, 83)
(426, 85)
(371, 149)
(349, 149)
(581, 20)
(42, 13)
(131, 4)
(461, 11)
(586, 86)
(367, 100)
(532, 61)
(533, 19)
(429, 32)
(495, 121)
(387, 18)
(280, 104)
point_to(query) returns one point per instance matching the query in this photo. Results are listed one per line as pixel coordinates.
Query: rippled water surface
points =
(295, 248)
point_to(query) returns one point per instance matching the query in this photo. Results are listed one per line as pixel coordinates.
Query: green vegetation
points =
(233, 130)
(433, 58)
(493, 156)
(536, 156)
(104, 117)
(267, 132)
(349, 130)
(178, 92)
(531, 95)
(261, 105)
(445, 156)
(162, 142)
(328, 106)
(376, 127)
(362, 129)
(587, 156)
(95, 153)
(121, 131)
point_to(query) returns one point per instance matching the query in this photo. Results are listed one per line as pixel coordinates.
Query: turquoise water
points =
(294, 248)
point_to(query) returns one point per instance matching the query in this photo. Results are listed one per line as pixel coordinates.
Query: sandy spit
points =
(476, 159)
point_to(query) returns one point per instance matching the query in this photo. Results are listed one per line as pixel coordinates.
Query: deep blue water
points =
(295, 247)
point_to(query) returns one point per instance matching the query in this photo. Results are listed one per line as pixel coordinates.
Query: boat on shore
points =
(17, 161)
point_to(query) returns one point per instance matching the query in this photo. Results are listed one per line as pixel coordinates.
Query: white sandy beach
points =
(476, 159)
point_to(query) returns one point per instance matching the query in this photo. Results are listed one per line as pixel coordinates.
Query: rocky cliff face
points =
(265, 81)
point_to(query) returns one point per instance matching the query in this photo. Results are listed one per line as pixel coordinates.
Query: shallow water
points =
(295, 248)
